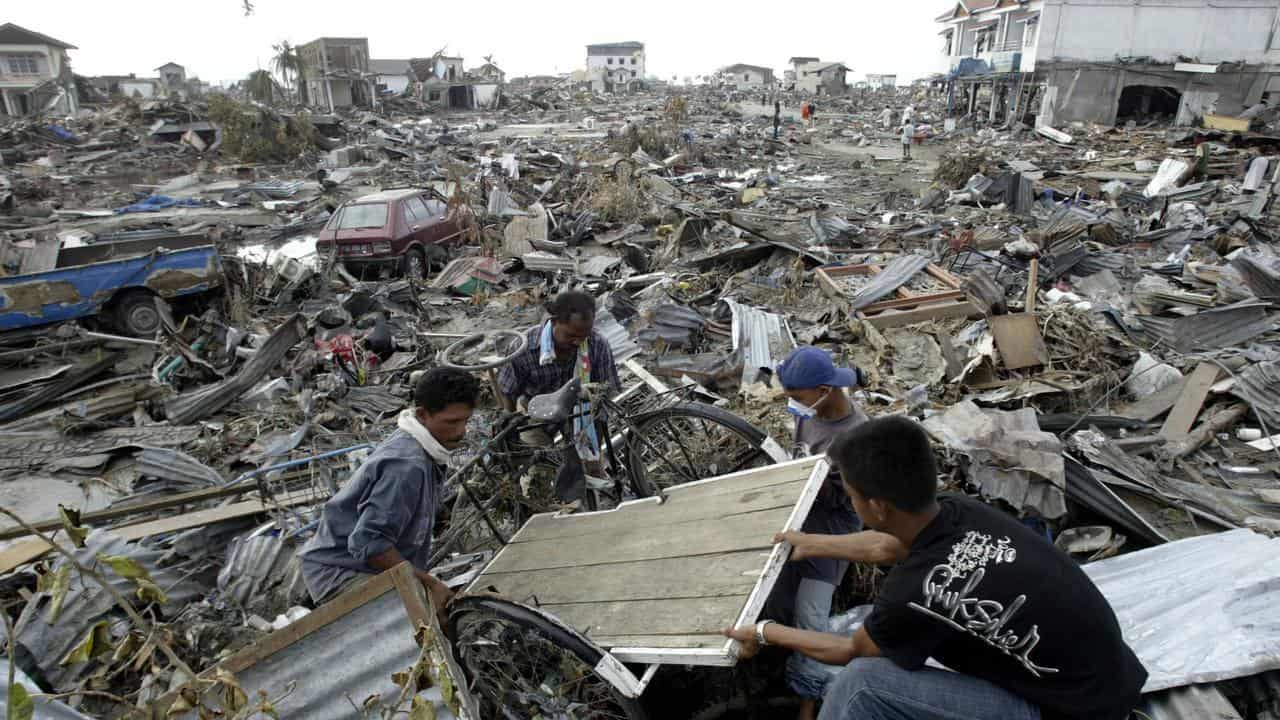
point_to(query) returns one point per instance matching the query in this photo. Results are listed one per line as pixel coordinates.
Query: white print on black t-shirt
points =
(984, 619)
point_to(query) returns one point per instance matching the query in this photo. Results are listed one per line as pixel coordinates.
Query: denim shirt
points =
(390, 502)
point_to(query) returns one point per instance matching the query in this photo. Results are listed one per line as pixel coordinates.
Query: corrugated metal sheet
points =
(341, 663)
(1198, 610)
(1194, 702)
(1084, 487)
(547, 262)
(620, 341)
(182, 471)
(763, 339)
(257, 562)
(87, 602)
(598, 265)
(1211, 329)
(893, 276)
(44, 709)
(1259, 384)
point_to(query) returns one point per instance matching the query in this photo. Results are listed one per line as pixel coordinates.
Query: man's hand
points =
(746, 636)
(802, 545)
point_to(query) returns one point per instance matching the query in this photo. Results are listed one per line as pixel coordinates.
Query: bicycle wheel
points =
(522, 664)
(691, 441)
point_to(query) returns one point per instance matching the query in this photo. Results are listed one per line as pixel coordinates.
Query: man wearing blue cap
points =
(816, 396)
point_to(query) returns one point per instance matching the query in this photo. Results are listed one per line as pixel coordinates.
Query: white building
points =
(616, 67)
(822, 78)
(390, 75)
(35, 73)
(882, 81)
(748, 77)
(1109, 61)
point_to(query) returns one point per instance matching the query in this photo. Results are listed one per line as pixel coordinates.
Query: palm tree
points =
(289, 64)
(261, 86)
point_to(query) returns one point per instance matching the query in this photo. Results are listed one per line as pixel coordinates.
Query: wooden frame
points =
(724, 653)
(905, 308)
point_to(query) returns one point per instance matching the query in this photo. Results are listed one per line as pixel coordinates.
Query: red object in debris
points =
(341, 346)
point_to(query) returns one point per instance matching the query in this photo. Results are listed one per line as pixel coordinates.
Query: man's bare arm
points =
(439, 592)
(824, 647)
(868, 546)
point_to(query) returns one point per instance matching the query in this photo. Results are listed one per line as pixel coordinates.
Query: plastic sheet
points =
(1198, 610)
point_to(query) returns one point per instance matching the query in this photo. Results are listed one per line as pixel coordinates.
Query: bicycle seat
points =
(558, 406)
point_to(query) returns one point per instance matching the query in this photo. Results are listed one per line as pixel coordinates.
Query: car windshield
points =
(368, 215)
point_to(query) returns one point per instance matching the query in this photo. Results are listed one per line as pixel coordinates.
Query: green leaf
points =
(71, 524)
(21, 706)
(150, 592)
(125, 567)
(422, 710)
(58, 587)
(96, 642)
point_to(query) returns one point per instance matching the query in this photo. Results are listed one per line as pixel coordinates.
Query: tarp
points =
(158, 202)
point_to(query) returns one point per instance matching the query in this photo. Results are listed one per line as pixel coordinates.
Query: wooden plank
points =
(1223, 122)
(703, 576)
(682, 616)
(1190, 401)
(1154, 405)
(676, 510)
(700, 537)
(639, 371)
(709, 641)
(1019, 341)
(1033, 277)
(27, 550)
(941, 311)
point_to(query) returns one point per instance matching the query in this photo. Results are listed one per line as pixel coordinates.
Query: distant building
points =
(441, 81)
(748, 77)
(794, 73)
(338, 73)
(173, 76)
(882, 81)
(488, 71)
(822, 78)
(35, 73)
(141, 88)
(616, 67)
(1108, 62)
(390, 75)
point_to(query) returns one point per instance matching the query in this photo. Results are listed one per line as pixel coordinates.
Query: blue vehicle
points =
(122, 289)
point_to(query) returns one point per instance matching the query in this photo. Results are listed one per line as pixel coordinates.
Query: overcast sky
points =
(216, 41)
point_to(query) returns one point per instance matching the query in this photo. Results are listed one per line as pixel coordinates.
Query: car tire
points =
(136, 314)
(415, 264)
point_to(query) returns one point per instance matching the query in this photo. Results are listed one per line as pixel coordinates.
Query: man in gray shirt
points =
(816, 396)
(386, 512)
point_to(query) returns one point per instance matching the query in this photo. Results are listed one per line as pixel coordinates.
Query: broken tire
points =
(523, 664)
(691, 441)
(136, 314)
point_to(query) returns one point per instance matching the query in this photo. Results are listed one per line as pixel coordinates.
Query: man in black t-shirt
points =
(1026, 632)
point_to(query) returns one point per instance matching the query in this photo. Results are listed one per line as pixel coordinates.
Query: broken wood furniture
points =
(906, 307)
(654, 581)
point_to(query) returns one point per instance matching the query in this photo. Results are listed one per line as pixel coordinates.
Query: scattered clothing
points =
(987, 597)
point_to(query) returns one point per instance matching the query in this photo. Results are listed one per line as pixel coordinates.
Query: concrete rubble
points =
(1083, 316)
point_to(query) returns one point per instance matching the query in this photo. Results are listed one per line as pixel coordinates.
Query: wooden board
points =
(903, 307)
(1190, 401)
(1223, 122)
(1154, 405)
(656, 582)
(1019, 341)
(25, 551)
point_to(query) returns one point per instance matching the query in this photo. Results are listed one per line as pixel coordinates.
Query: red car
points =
(406, 231)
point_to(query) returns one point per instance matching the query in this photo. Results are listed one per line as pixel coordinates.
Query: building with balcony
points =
(616, 67)
(35, 73)
(338, 73)
(1108, 61)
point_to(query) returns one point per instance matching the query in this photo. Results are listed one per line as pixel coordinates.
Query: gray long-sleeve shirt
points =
(390, 502)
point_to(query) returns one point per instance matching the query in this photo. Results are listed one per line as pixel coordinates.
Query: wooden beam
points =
(1190, 400)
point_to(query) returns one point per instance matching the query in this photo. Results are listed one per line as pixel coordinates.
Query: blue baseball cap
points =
(810, 367)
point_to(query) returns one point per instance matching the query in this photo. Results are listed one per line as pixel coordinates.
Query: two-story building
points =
(616, 67)
(876, 82)
(35, 73)
(748, 77)
(1109, 61)
(338, 72)
(822, 78)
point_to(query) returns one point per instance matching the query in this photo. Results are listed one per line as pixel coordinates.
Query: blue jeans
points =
(806, 677)
(877, 689)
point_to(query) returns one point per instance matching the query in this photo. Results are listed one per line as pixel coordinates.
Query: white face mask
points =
(800, 410)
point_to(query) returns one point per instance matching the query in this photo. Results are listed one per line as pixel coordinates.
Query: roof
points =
(617, 48)
(170, 65)
(389, 67)
(965, 8)
(744, 66)
(11, 34)
(823, 67)
(802, 60)
(385, 195)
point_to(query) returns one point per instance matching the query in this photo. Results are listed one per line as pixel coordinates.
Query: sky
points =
(216, 41)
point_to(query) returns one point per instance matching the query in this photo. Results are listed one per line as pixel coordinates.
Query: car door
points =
(417, 220)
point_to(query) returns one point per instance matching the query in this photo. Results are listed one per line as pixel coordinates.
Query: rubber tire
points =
(409, 256)
(518, 614)
(475, 339)
(135, 314)
(702, 411)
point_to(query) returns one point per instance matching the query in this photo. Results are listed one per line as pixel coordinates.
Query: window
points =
(24, 64)
(609, 61)
(634, 73)
(357, 217)
(415, 212)
(633, 61)
(746, 77)
(1029, 32)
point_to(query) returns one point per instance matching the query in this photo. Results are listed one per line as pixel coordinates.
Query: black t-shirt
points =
(987, 597)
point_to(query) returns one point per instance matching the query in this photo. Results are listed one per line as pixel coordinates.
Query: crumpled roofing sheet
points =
(1198, 610)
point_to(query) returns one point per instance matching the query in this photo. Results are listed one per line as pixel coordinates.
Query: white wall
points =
(395, 83)
(1212, 31)
(749, 79)
(146, 89)
(597, 62)
(50, 65)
